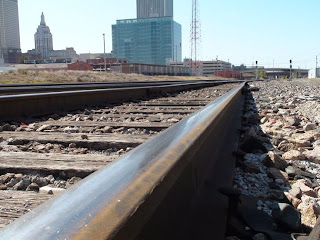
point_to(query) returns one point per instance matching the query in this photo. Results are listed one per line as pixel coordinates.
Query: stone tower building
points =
(43, 39)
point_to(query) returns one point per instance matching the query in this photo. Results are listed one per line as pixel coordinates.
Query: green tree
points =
(22, 59)
(260, 75)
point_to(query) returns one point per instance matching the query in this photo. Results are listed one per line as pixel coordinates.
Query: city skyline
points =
(242, 32)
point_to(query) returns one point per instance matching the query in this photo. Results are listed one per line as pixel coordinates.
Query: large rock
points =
(275, 174)
(8, 127)
(292, 121)
(71, 130)
(306, 182)
(310, 127)
(291, 171)
(22, 185)
(313, 155)
(272, 159)
(50, 178)
(295, 172)
(296, 192)
(253, 145)
(317, 191)
(6, 178)
(33, 187)
(40, 181)
(305, 189)
(264, 120)
(300, 143)
(308, 136)
(308, 214)
(251, 167)
(12, 182)
(308, 199)
(44, 127)
(316, 143)
(293, 155)
(285, 146)
(286, 216)
(294, 201)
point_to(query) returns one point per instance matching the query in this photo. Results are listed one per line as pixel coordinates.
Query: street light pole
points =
(104, 51)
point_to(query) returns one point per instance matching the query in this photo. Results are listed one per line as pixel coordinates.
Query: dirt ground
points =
(29, 76)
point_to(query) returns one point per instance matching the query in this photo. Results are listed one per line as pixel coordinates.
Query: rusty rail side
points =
(152, 191)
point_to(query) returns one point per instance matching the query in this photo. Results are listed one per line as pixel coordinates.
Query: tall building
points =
(9, 27)
(154, 8)
(152, 38)
(43, 39)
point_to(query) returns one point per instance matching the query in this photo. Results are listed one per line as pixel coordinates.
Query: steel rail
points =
(152, 191)
(99, 83)
(77, 83)
(24, 106)
(47, 87)
(73, 87)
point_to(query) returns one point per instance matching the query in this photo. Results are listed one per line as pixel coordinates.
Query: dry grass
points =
(29, 76)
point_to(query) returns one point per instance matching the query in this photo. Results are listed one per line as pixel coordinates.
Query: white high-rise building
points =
(154, 8)
(43, 39)
(9, 26)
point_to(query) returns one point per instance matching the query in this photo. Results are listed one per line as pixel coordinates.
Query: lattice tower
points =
(195, 39)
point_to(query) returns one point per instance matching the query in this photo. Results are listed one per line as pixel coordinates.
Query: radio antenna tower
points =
(195, 37)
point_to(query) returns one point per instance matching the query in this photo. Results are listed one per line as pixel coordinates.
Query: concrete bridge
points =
(277, 72)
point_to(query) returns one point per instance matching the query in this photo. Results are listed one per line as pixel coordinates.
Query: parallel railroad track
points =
(10, 89)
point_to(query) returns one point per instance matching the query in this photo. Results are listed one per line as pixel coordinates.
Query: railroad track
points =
(50, 100)
(10, 89)
(59, 150)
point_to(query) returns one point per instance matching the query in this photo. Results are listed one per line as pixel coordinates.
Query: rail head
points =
(104, 204)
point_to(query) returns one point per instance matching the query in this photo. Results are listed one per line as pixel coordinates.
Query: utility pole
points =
(104, 52)
(290, 69)
(316, 66)
(176, 59)
(273, 69)
(256, 70)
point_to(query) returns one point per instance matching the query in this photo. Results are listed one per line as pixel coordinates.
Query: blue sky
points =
(242, 31)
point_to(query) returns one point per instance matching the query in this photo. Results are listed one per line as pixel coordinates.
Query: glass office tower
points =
(149, 40)
(9, 26)
(154, 8)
